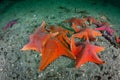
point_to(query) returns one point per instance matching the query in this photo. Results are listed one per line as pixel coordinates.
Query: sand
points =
(23, 65)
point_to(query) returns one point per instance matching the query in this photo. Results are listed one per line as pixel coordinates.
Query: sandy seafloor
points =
(23, 65)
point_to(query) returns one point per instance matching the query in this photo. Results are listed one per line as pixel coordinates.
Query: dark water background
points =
(7, 4)
(113, 2)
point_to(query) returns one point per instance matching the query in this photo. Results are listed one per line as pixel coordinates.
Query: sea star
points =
(117, 39)
(62, 36)
(77, 22)
(10, 24)
(91, 20)
(49, 45)
(106, 28)
(38, 38)
(86, 52)
(87, 33)
(52, 50)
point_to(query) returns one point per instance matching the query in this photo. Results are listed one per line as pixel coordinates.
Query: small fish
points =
(10, 24)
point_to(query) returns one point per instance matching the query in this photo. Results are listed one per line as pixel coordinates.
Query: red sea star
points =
(106, 28)
(38, 39)
(77, 22)
(87, 33)
(49, 44)
(52, 50)
(117, 39)
(86, 52)
(91, 20)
